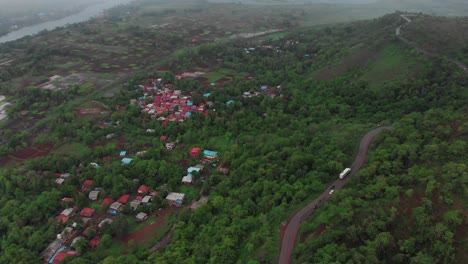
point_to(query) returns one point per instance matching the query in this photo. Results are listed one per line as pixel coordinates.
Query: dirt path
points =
(398, 35)
(289, 238)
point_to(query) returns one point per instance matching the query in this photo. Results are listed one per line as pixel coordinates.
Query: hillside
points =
(191, 134)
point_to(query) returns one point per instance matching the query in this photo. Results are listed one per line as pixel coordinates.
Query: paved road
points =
(289, 238)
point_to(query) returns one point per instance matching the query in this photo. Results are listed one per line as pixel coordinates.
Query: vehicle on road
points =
(344, 173)
(331, 192)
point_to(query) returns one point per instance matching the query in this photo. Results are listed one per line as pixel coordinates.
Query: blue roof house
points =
(123, 153)
(207, 95)
(126, 161)
(230, 102)
(192, 169)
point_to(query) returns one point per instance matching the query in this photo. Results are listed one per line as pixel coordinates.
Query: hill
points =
(230, 118)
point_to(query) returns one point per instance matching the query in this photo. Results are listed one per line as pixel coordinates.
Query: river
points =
(89, 12)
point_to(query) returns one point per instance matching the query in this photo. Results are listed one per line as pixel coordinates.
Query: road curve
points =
(289, 238)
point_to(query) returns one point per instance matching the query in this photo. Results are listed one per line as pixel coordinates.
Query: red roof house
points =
(94, 242)
(61, 255)
(163, 138)
(87, 212)
(62, 218)
(107, 201)
(86, 185)
(124, 198)
(139, 198)
(195, 152)
(143, 189)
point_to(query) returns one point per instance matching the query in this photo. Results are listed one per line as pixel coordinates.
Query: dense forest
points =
(407, 204)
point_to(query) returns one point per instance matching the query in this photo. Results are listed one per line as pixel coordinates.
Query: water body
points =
(89, 12)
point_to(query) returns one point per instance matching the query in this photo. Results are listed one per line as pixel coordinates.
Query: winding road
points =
(289, 238)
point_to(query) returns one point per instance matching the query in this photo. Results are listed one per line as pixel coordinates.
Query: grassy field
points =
(391, 63)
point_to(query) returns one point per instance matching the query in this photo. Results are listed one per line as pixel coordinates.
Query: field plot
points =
(93, 108)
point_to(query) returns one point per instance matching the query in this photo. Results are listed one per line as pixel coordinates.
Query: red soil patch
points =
(30, 153)
(164, 68)
(141, 236)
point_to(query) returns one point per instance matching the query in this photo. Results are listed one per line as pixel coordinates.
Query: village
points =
(89, 222)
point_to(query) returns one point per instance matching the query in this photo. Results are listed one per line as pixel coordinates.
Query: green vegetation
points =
(327, 86)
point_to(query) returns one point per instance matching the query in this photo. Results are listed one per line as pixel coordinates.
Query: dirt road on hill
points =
(398, 32)
(289, 238)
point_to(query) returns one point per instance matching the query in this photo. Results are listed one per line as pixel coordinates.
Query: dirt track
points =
(289, 239)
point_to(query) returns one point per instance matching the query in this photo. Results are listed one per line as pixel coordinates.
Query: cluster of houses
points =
(263, 90)
(161, 101)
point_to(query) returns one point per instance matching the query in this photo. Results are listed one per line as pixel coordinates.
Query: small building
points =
(140, 217)
(68, 212)
(62, 218)
(94, 242)
(134, 204)
(150, 130)
(110, 136)
(143, 189)
(146, 199)
(107, 201)
(207, 95)
(115, 208)
(86, 185)
(59, 181)
(210, 155)
(57, 258)
(93, 195)
(163, 138)
(123, 199)
(126, 161)
(106, 221)
(193, 169)
(170, 146)
(123, 153)
(67, 200)
(175, 199)
(87, 212)
(188, 179)
(230, 102)
(195, 152)
(141, 153)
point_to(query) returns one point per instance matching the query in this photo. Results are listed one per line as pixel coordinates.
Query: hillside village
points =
(89, 223)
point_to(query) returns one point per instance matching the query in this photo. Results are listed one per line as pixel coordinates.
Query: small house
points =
(210, 155)
(123, 153)
(163, 138)
(175, 199)
(106, 221)
(59, 181)
(107, 201)
(140, 217)
(86, 185)
(193, 169)
(62, 218)
(134, 204)
(170, 146)
(123, 199)
(143, 189)
(93, 195)
(150, 130)
(68, 212)
(195, 152)
(94, 242)
(188, 179)
(114, 208)
(141, 153)
(230, 102)
(126, 161)
(87, 212)
(146, 199)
